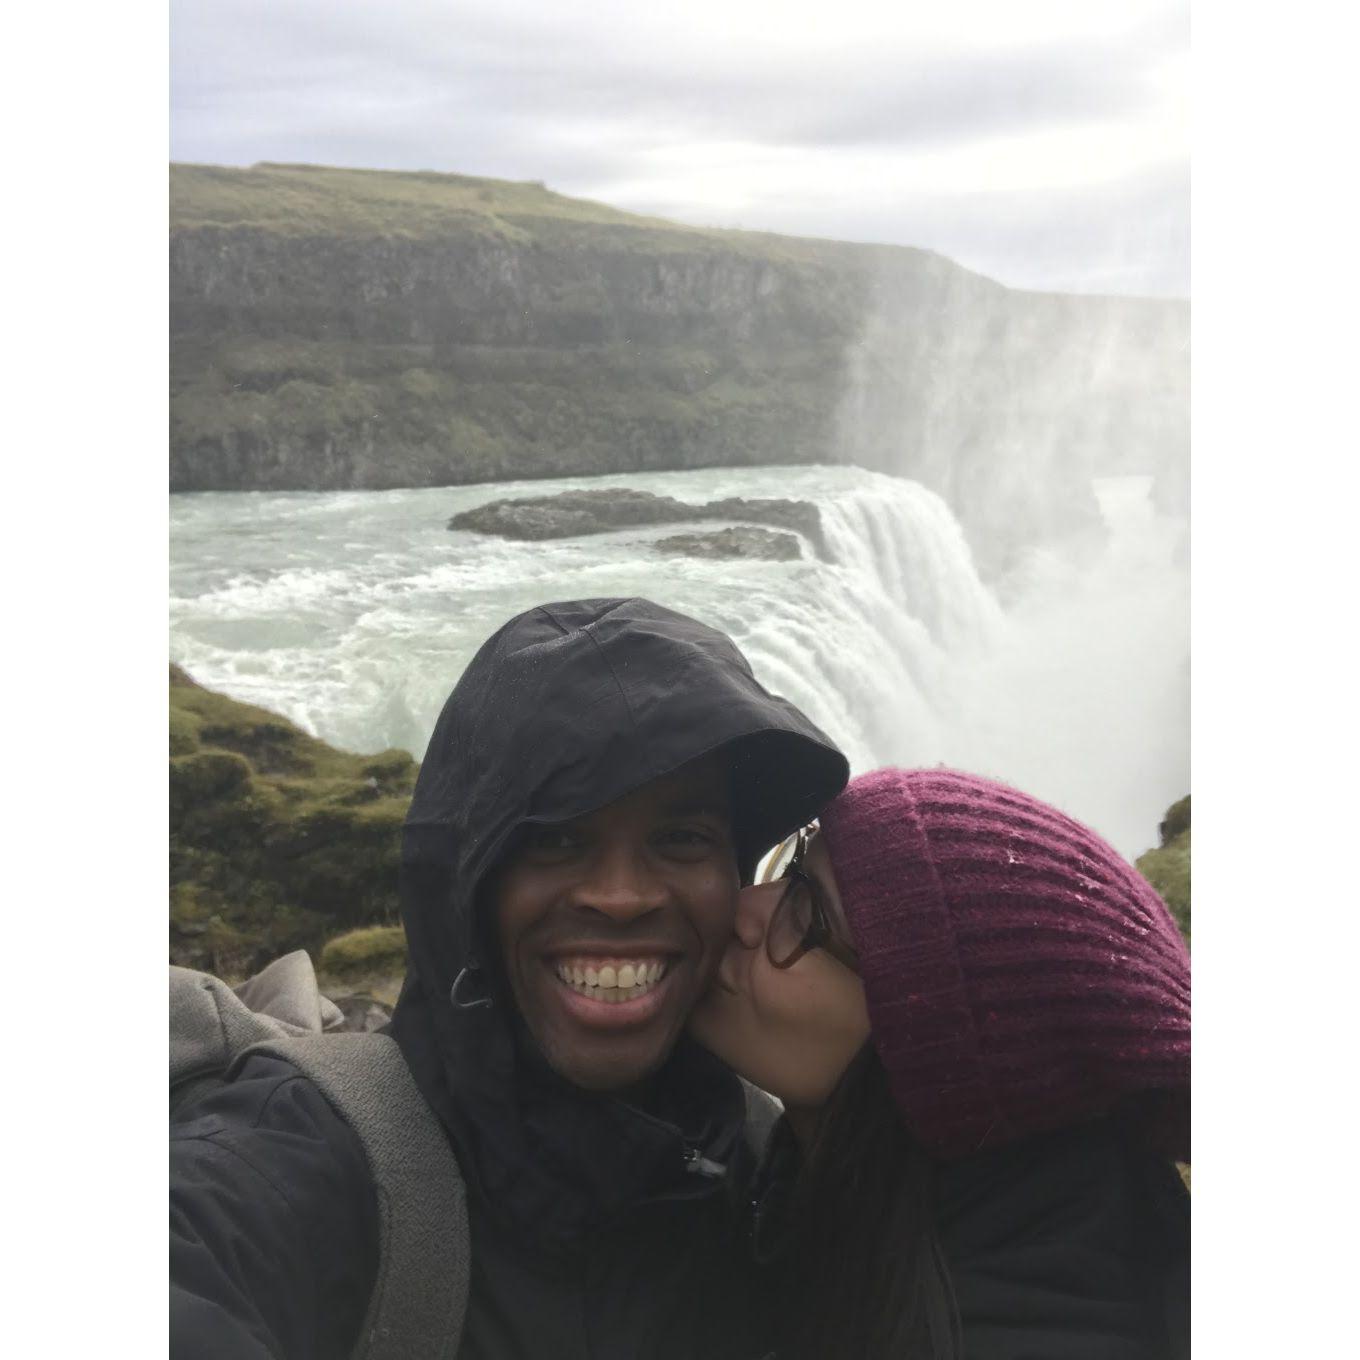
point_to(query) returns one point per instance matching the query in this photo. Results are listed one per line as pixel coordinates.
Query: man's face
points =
(611, 925)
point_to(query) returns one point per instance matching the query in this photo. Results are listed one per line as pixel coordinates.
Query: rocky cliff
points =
(344, 328)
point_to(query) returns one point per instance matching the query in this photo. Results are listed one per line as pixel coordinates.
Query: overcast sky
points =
(1042, 142)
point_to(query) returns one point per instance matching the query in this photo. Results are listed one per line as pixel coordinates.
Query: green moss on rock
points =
(374, 951)
(277, 840)
(1167, 868)
(1177, 819)
(205, 776)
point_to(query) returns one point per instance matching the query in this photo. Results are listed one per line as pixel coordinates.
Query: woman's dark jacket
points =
(592, 1236)
(1070, 1245)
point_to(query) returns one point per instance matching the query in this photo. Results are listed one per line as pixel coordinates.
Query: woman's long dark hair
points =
(867, 1279)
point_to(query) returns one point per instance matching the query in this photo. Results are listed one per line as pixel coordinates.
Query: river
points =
(353, 613)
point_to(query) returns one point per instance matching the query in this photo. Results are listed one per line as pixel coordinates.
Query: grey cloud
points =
(417, 59)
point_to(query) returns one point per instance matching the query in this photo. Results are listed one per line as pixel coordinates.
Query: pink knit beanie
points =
(1020, 975)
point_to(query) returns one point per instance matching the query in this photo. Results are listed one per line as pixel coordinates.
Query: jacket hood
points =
(565, 709)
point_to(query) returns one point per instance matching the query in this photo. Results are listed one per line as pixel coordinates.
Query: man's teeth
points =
(612, 982)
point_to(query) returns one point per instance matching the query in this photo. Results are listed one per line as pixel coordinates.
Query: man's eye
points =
(547, 842)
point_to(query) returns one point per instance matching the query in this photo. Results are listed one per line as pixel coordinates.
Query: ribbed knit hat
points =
(1020, 974)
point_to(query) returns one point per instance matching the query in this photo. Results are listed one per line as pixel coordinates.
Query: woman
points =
(976, 1015)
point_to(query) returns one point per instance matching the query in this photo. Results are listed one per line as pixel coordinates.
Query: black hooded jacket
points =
(598, 1229)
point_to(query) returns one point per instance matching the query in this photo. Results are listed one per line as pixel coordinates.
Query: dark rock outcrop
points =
(572, 514)
(802, 517)
(769, 545)
(363, 1014)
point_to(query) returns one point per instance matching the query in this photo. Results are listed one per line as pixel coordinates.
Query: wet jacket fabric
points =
(1068, 1245)
(598, 1229)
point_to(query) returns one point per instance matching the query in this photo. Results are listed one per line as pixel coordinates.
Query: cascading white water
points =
(871, 644)
(905, 537)
(353, 613)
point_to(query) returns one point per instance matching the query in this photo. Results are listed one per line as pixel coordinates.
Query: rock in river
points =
(571, 514)
(771, 545)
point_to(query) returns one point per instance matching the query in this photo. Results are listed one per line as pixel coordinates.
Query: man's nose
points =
(755, 906)
(620, 883)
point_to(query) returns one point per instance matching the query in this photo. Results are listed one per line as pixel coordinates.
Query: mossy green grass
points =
(277, 840)
(1167, 867)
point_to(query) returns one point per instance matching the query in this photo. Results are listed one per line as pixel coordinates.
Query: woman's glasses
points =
(801, 919)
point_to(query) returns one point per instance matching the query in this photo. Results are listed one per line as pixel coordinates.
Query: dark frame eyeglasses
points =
(801, 920)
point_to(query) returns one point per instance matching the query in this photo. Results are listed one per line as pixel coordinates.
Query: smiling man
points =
(610, 924)
(598, 786)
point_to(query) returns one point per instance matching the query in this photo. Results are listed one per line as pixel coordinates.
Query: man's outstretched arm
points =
(273, 1223)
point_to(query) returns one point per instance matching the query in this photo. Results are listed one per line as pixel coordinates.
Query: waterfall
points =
(1078, 692)
(872, 643)
(906, 539)
(353, 614)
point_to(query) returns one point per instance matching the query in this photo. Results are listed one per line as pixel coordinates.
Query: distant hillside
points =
(353, 328)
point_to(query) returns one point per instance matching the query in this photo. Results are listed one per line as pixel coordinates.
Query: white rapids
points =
(354, 612)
